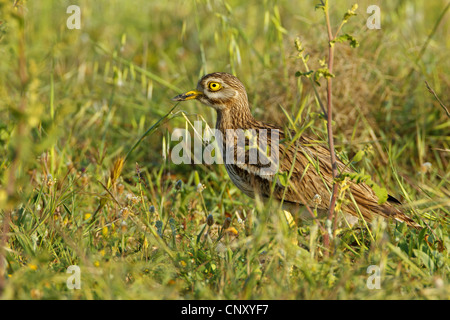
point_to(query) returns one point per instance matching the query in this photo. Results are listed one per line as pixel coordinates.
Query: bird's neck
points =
(238, 117)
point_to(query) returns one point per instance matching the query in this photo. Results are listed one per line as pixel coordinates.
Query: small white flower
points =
(124, 212)
(317, 199)
(200, 187)
(425, 167)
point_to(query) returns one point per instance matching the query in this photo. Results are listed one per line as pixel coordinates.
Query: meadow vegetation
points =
(85, 137)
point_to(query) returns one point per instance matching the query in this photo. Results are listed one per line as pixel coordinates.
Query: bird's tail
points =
(410, 222)
(399, 215)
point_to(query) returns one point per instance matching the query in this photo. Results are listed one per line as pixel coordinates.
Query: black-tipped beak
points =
(187, 96)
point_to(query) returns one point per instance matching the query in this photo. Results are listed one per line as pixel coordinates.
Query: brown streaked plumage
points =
(311, 177)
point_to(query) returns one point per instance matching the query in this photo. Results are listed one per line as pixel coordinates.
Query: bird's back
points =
(307, 163)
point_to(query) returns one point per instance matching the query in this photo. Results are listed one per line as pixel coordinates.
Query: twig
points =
(437, 98)
(333, 200)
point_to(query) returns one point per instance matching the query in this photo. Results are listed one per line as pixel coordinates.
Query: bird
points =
(305, 162)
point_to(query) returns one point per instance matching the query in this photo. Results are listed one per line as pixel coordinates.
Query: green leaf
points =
(425, 259)
(323, 72)
(346, 37)
(298, 45)
(199, 236)
(196, 178)
(350, 13)
(283, 178)
(320, 5)
(360, 177)
(358, 156)
(304, 74)
(381, 193)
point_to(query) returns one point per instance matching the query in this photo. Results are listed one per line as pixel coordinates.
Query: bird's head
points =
(219, 90)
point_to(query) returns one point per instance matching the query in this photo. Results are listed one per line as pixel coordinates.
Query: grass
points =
(75, 103)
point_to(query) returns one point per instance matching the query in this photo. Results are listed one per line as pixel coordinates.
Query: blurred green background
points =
(73, 101)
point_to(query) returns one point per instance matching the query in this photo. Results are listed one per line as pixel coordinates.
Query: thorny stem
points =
(331, 213)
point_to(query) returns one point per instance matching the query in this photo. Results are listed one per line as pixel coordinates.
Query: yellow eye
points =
(214, 86)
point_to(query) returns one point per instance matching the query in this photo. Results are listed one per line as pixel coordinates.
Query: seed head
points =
(226, 223)
(210, 220)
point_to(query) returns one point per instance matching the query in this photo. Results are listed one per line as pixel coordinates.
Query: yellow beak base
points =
(187, 96)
